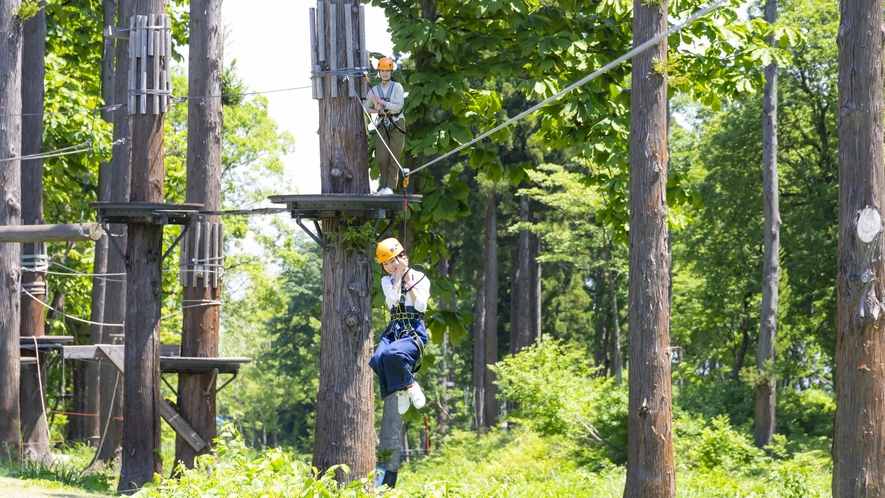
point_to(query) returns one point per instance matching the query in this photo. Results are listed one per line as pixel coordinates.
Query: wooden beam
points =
(167, 411)
(50, 233)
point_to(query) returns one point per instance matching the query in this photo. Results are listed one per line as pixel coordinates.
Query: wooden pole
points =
(141, 384)
(10, 214)
(35, 434)
(345, 403)
(201, 320)
(111, 384)
(51, 233)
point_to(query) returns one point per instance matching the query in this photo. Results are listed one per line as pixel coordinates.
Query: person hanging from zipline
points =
(401, 350)
(386, 99)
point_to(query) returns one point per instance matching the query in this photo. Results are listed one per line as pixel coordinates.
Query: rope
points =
(40, 381)
(62, 313)
(595, 74)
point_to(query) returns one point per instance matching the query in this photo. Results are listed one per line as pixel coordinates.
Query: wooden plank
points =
(363, 51)
(195, 251)
(181, 427)
(207, 253)
(81, 353)
(155, 43)
(113, 353)
(133, 41)
(348, 42)
(218, 254)
(143, 41)
(50, 233)
(182, 263)
(333, 48)
(313, 50)
(321, 30)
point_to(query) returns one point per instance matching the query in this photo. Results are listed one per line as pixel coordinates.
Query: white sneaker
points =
(416, 395)
(402, 401)
(385, 191)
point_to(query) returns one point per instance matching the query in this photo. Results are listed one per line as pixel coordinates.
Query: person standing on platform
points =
(386, 99)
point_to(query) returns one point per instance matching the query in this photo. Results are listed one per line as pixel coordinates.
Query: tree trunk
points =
(535, 297)
(35, 435)
(391, 439)
(858, 439)
(650, 468)
(600, 352)
(767, 383)
(523, 287)
(100, 264)
(345, 402)
(490, 335)
(10, 214)
(200, 324)
(479, 353)
(111, 383)
(615, 363)
(141, 382)
(76, 429)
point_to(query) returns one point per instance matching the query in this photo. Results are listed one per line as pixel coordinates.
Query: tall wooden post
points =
(345, 402)
(111, 384)
(202, 315)
(858, 438)
(650, 467)
(150, 45)
(35, 434)
(10, 214)
(100, 263)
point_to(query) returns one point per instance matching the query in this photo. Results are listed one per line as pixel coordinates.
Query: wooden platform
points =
(168, 364)
(319, 206)
(145, 213)
(45, 342)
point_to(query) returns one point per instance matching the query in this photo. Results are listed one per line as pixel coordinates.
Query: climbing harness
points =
(404, 317)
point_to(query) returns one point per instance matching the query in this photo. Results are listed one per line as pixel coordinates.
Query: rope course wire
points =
(590, 77)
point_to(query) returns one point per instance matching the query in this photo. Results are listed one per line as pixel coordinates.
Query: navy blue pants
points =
(394, 358)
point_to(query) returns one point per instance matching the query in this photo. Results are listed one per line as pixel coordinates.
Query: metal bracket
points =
(233, 376)
(316, 238)
(175, 242)
(211, 380)
(113, 240)
(169, 386)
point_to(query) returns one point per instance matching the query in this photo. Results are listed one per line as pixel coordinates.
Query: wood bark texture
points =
(479, 352)
(111, 383)
(859, 438)
(490, 328)
(35, 435)
(200, 324)
(345, 403)
(766, 385)
(650, 469)
(141, 383)
(10, 214)
(100, 263)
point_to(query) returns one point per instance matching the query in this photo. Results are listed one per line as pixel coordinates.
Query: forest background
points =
(557, 180)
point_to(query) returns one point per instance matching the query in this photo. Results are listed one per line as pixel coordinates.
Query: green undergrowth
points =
(66, 471)
(713, 460)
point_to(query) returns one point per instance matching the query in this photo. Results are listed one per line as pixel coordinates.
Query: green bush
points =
(805, 413)
(556, 393)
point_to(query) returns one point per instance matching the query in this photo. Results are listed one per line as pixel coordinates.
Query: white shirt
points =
(421, 291)
(394, 92)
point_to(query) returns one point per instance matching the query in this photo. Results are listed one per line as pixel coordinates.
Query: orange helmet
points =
(388, 249)
(385, 64)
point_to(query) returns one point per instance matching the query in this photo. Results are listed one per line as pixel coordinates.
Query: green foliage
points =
(234, 471)
(352, 234)
(809, 412)
(26, 10)
(555, 393)
(65, 470)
